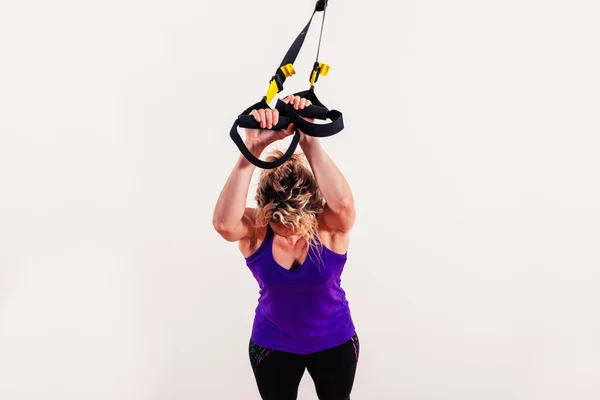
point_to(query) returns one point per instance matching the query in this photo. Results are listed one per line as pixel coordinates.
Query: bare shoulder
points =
(336, 241)
(250, 244)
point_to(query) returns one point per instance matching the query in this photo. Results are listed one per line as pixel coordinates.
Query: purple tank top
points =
(303, 310)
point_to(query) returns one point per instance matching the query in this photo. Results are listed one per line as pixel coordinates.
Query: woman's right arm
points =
(230, 217)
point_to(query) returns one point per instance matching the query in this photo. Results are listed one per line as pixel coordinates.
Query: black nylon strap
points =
(294, 50)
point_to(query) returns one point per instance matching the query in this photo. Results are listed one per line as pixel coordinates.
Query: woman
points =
(295, 244)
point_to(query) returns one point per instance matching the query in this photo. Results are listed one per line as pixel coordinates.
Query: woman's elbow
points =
(227, 231)
(344, 206)
(221, 227)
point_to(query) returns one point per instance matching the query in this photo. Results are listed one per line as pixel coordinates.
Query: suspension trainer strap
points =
(287, 113)
(286, 68)
(317, 130)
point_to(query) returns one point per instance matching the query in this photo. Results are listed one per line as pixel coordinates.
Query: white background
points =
(471, 145)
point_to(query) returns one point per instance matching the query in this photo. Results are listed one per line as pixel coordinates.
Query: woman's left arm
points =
(339, 214)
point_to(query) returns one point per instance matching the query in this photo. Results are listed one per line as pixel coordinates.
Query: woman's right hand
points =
(258, 139)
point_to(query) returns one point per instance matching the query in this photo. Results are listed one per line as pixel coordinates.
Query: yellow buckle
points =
(272, 90)
(288, 70)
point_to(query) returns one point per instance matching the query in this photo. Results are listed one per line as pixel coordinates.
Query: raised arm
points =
(339, 214)
(231, 218)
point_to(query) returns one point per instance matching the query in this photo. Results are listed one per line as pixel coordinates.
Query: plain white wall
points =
(471, 144)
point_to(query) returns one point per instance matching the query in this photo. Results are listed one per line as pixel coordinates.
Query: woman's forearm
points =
(231, 204)
(331, 181)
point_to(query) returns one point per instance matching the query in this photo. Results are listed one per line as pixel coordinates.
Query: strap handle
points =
(317, 130)
(245, 120)
(287, 112)
(237, 139)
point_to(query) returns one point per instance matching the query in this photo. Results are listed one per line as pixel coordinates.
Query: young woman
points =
(295, 244)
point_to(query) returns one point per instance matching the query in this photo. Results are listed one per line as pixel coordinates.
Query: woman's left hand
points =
(299, 103)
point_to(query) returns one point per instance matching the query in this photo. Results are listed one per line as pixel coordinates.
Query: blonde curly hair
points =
(289, 195)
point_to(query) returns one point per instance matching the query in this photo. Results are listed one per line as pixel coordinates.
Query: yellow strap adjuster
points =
(320, 69)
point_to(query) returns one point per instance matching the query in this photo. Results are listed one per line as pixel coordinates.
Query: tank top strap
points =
(270, 233)
(265, 243)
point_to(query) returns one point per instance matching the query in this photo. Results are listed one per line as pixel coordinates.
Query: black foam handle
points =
(248, 122)
(312, 111)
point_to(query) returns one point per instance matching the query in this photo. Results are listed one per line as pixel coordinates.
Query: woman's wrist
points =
(244, 163)
(256, 150)
(306, 142)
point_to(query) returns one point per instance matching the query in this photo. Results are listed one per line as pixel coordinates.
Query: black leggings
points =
(278, 373)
